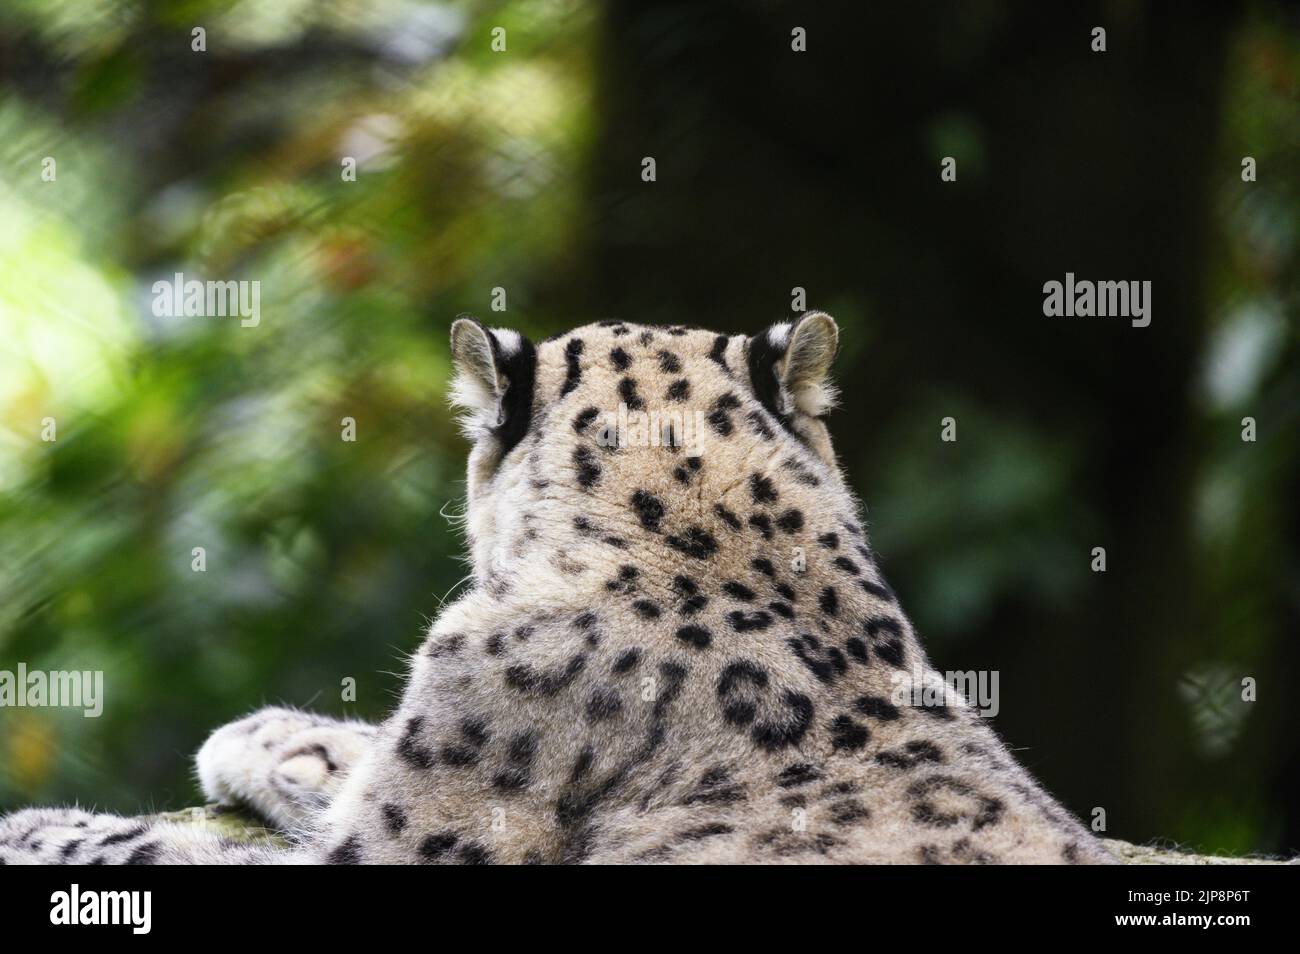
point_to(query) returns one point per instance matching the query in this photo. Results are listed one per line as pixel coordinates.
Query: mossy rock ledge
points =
(239, 825)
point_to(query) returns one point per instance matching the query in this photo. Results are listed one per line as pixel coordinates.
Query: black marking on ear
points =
(519, 367)
(762, 358)
(718, 352)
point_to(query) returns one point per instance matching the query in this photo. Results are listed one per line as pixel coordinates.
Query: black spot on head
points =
(696, 636)
(764, 566)
(669, 363)
(891, 651)
(726, 516)
(620, 358)
(692, 599)
(738, 591)
(719, 417)
(649, 510)
(791, 521)
(743, 622)
(696, 542)
(784, 610)
(831, 541)
(627, 391)
(877, 708)
(762, 489)
(679, 390)
(829, 601)
(587, 469)
(762, 524)
(646, 609)
(847, 565)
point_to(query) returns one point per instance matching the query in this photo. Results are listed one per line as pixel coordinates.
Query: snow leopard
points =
(678, 647)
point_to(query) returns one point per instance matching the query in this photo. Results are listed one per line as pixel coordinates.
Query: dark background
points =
(775, 169)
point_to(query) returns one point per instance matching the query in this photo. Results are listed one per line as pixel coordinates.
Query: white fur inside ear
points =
(805, 377)
(508, 340)
(477, 386)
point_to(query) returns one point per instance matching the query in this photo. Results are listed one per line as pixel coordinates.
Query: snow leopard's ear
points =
(790, 364)
(493, 383)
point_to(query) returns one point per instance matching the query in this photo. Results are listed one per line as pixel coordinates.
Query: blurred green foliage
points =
(477, 170)
(323, 557)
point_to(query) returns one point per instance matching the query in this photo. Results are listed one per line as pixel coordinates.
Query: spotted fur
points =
(665, 657)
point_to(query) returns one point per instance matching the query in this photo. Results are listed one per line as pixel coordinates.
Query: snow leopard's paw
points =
(282, 763)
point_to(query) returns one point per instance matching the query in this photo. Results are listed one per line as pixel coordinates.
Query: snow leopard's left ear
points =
(790, 364)
(493, 384)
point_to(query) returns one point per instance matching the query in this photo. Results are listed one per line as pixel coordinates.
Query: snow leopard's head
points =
(618, 436)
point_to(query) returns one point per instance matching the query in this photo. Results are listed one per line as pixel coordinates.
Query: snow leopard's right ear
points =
(790, 365)
(493, 383)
